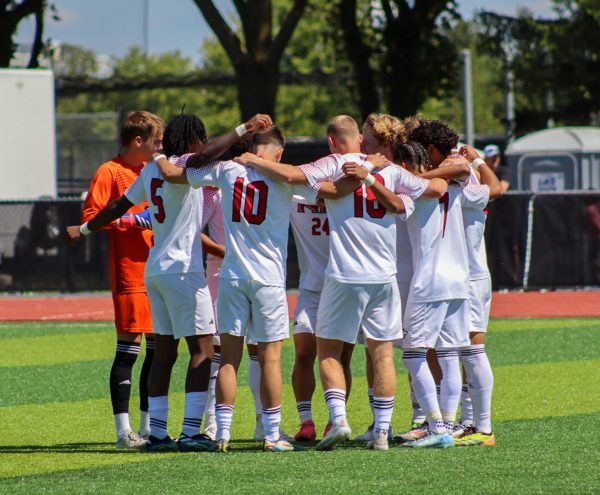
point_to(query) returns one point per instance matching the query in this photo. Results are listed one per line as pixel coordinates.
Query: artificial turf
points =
(57, 433)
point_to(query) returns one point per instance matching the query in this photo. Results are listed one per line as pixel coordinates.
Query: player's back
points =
(474, 224)
(176, 222)
(436, 231)
(256, 213)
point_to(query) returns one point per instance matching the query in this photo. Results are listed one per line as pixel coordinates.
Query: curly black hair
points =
(413, 155)
(182, 132)
(437, 133)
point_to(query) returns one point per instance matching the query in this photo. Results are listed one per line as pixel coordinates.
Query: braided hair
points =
(182, 132)
(413, 156)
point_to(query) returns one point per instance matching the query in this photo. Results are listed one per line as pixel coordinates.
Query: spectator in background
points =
(492, 158)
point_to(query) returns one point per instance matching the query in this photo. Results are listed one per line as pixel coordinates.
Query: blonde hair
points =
(140, 123)
(411, 123)
(343, 127)
(387, 129)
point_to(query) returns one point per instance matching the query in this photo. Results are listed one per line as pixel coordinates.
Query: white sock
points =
(195, 402)
(158, 407)
(423, 384)
(383, 408)
(254, 382)
(336, 403)
(451, 384)
(224, 415)
(271, 418)
(209, 412)
(144, 422)
(304, 410)
(123, 424)
(418, 415)
(370, 392)
(466, 406)
(481, 385)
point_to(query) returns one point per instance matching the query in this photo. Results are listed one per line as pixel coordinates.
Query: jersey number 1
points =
(374, 209)
(249, 207)
(157, 200)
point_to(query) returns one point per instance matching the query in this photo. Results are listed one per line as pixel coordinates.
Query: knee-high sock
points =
(211, 400)
(481, 385)
(144, 374)
(423, 384)
(120, 383)
(451, 384)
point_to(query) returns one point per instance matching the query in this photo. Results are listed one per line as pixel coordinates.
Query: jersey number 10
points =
(249, 207)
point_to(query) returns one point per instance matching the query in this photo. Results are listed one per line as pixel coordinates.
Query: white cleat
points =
(210, 428)
(131, 440)
(379, 441)
(338, 433)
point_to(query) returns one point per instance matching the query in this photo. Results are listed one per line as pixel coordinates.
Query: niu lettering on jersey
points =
(320, 224)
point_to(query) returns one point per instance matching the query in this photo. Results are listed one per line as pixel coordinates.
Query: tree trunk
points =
(257, 85)
(7, 48)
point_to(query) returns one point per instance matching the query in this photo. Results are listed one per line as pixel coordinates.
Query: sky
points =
(110, 27)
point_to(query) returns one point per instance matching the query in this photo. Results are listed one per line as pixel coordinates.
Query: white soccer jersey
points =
(213, 217)
(404, 257)
(256, 215)
(311, 233)
(176, 221)
(437, 236)
(474, 222)
(363, 233)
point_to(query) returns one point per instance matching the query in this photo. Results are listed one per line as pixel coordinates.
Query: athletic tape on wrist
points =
(369, 180)
(84, 229)
(241, 130)
(478, 162)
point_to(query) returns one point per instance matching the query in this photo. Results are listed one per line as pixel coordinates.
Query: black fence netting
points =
(549, 240)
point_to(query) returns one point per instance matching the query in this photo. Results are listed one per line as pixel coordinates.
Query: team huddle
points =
(389, 232)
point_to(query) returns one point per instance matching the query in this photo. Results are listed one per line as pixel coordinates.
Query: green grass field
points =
(57, 432)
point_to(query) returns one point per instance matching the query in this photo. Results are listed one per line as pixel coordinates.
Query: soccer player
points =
(141, 134)
(360, 282)
(175, 280)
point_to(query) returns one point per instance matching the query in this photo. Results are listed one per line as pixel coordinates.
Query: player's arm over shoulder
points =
(99, 194)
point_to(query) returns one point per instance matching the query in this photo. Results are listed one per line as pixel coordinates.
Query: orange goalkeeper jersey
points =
(128, 247)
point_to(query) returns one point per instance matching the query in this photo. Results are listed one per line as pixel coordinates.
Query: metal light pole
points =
(467, 91)
(509, 93)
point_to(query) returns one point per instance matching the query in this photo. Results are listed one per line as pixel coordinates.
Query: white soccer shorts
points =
(244, 301)
(346, 308)
(305, 316)
(480, 302)
(180, 304)
(437, 325)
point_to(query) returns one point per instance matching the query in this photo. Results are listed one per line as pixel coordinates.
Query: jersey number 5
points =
(157, 200)
(374, 209)
(254, 214)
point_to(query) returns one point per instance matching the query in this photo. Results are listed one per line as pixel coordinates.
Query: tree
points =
(12, 12)
(256, 60)
(414, 58)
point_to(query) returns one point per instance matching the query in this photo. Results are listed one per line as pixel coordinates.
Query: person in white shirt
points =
(256, 213)
(360, 282)
(174, 279)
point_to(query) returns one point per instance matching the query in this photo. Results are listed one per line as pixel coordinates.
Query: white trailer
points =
(27, 134)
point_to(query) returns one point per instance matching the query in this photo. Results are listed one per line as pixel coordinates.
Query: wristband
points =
(369, 180)
(241, 130)
(478, 162)
(158, 157)
(84, 229)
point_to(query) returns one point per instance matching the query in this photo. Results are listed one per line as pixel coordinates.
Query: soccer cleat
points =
(379, 441)
(307, 432)
(417, 432)
(222, 446)
(327, 429)
(460, 430)
(131, 440)
(197, 443)
(210, 428)
(280, 446)
(338, 433)
(476, 439)
(166, 444)
(432, 440)
(367, 436)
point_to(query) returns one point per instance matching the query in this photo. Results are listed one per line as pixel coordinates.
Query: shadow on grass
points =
(237, 446)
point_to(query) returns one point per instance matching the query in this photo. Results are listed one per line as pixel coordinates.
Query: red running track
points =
(99, 308)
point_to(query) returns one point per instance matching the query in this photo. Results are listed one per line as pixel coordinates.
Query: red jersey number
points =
(320, 226)
(374, 208)
(157, 200)
(254, 214)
